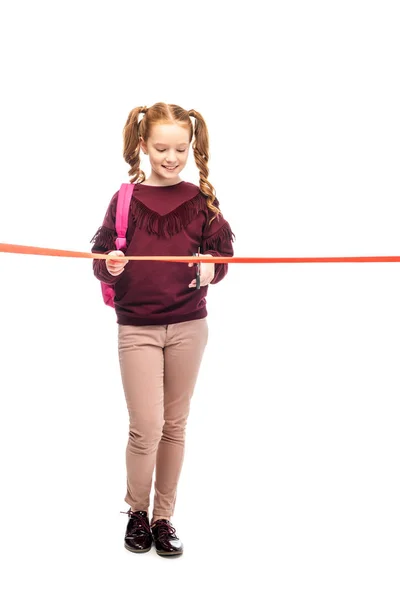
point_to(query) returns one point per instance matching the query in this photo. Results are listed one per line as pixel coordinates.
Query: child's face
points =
(167, 146)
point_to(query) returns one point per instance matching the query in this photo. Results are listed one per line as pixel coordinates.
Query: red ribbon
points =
(17, 249)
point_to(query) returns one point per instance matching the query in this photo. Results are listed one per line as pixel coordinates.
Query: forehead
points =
(170, 133)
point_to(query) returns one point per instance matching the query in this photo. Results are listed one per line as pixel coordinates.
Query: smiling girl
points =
(161, 315)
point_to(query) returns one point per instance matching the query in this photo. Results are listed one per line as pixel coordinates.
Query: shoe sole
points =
(172, 554)
(137, 551)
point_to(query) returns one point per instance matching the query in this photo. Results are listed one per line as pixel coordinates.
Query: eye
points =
(164, 150)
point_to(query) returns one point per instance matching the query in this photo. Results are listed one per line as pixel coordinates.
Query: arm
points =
(217, 241)
(104, 243)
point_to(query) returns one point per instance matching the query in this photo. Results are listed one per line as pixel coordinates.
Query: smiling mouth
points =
(170, 168)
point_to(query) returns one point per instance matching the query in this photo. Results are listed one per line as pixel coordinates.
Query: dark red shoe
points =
(166, 542)
(138, 536)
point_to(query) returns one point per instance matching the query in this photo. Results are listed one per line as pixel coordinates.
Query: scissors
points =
(197, 270)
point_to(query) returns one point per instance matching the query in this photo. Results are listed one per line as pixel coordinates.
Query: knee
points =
(145, 436)
(174, 430)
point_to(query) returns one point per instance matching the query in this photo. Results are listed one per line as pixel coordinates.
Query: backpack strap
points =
(121, 217)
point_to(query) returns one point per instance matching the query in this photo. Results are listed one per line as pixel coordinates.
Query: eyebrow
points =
(161, 144)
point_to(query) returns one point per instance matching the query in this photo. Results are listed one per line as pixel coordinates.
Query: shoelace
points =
(140, 522)
(164, 530)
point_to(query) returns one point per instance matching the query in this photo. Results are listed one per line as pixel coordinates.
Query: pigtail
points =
(201, 156)
(131, 145)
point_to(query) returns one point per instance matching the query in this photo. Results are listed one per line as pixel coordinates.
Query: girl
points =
(161, 315)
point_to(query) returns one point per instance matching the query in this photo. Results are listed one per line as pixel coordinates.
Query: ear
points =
(143, 145)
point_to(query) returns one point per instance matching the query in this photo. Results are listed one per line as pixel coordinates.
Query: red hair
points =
(161, 113)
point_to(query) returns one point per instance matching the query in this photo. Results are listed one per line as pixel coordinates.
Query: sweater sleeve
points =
(104, 243)
(217, 241)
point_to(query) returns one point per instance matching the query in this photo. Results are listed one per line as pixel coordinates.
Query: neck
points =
(159, 181)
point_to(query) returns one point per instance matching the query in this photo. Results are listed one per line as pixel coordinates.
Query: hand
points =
(115, 267)
(207, 271)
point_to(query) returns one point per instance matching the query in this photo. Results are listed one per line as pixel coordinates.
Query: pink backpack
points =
(121, 225)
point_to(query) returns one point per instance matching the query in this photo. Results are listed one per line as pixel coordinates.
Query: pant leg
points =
(141, 360)
(183, 352)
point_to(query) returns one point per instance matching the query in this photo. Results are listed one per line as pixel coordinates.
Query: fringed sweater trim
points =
(171, 223)
(164, 225)
(103, 239)
(224, 234)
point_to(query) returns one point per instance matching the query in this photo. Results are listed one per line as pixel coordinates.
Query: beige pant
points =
(159, 368)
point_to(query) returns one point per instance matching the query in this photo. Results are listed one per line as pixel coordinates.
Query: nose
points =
(171, 157)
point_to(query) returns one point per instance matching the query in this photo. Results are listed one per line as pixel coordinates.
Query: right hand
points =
(115, 267)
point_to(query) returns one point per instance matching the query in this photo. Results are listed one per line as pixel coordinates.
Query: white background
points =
(290, 485)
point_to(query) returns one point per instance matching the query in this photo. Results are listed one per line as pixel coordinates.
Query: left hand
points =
(207, 271)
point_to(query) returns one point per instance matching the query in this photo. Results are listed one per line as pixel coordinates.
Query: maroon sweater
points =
(168, 220)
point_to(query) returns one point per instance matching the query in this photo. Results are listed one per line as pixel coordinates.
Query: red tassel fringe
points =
(104, 239)
(170, 224)
(163, 225)
(223, 234)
